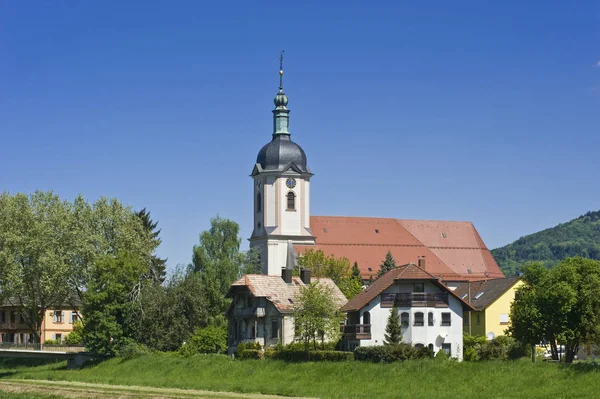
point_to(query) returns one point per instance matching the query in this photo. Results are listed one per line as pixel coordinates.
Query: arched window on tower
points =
(291, 201)
(258, 202)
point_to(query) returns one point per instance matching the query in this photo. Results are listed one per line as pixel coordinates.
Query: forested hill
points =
(578, 237)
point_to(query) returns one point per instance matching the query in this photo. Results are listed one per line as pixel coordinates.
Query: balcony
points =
(254, 311)
(415, 299)
(356, 331)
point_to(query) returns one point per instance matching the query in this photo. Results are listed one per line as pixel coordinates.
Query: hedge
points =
(390, 353)
(295, 355)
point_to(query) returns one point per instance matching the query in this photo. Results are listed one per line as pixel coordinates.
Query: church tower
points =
(281, 192)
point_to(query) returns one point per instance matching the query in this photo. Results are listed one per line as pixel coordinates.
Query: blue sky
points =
(480, 111)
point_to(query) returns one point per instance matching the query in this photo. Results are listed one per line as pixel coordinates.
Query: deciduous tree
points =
(316, 315)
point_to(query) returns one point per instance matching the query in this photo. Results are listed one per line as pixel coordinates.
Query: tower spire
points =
(281, 113)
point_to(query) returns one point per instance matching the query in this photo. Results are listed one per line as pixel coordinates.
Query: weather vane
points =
(281, 70)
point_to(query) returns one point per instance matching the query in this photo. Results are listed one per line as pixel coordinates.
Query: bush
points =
(441, 355)
(247, 346)
(294, 355)
(250, 354)
(500, 348)
(75, 337)
(211, 339)
(389, 353)
(127, 348)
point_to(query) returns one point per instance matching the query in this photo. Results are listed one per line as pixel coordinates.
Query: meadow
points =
(350, 379)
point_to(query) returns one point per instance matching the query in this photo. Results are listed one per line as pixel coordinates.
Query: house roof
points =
(454, 250)
(406, 272)
(489, 291)
(282, 295)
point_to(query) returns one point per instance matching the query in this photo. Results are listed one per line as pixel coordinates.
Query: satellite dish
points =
(490, 336)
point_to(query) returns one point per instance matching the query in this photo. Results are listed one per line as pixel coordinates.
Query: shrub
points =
(211, 339)
(250, 354)
(127, 348)
(247, 346)
(424, 353)
(388, 353)
(75, 337)
(441, 355)
(294, 355)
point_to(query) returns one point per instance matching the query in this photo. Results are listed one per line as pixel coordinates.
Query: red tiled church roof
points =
(454, 250)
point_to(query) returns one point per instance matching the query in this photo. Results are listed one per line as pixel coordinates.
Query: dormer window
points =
(291, 201)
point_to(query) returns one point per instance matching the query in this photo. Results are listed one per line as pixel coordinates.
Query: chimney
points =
(305, 276)
(422, 263)
(286, 275)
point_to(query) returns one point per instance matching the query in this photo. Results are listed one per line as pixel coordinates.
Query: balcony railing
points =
(415, 299)
(13, 326)
(356, 331)
(255, 311)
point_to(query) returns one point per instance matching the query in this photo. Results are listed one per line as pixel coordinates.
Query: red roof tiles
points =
(454, 250)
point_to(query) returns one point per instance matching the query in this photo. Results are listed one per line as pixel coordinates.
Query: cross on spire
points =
(281, 70)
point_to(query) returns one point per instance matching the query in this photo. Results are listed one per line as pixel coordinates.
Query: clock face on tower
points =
(290, 182)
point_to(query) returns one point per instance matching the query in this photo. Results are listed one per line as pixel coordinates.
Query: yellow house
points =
(491, 299)
(56, 324)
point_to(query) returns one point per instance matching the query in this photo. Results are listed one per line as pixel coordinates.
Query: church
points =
(453, 250)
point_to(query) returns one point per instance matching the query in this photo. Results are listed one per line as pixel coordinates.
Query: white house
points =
(430, 313)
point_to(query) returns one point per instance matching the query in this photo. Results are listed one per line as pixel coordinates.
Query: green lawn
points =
(411, 379)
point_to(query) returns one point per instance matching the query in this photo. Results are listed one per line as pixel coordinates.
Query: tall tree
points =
(48, 248)
(337, 269)
(169, 314)
(219, 262)
(393, 330)
(107, 306)
(36, 245)
(316, 315)
(157, 269)
(561, 305)
(388, 264)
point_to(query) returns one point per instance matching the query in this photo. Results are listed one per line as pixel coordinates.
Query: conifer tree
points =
(388, 264)
(356, 271)
(393, 331)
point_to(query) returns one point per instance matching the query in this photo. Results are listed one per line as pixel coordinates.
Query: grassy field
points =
(411, 379)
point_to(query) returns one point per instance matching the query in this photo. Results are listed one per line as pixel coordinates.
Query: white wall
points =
(436, 334)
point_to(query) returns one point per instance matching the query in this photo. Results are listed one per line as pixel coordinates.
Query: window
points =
(74, 317)
(366, 318)
(419, 319)
(419, 346)
(58, 338)
(3, 316)
(447, 348)
(291, 201)
(446, 318)
(503, 318)
(13, 316)
(444, 235)
(430, 319)
(418, 287)
(404, 319)
(250, 302)
(274, 328)
(58, 316)
(478, 295)
(253, 330)
(478, 318)
(430, 346)
(258, 202)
